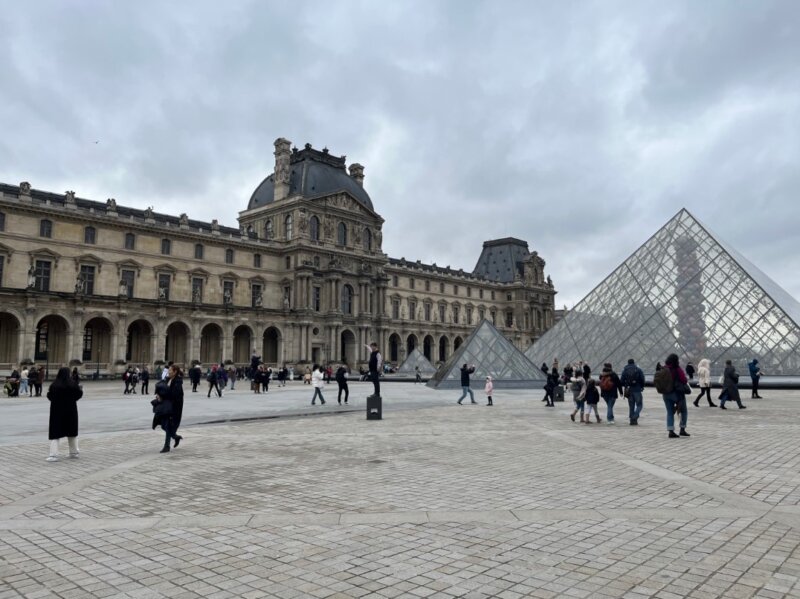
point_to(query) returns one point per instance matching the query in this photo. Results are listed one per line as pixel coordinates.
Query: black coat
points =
(63, 410)
(176, 396)
(465, 372)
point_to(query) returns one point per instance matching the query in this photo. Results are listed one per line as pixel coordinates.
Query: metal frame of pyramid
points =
(492, 354)
(684, 291)
(414, 359)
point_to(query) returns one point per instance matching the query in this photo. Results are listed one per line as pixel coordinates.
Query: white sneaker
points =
(52, 458)
(610, 421)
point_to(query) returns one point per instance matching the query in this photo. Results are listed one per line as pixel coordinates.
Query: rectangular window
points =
(441, 287)
(480, 293)
(455, 289)
(198, 251)
(42, 275)
(227, 292)
(316, 298)
(508, 297)
(395, 281)
(3, 222)
(469, 291)
(441, 313)
(494, 318)
(2, 265)
(255, 295)
(197, 290)
(130, 241)
(455, 315)
(481, 314)
(509, 319)
(428, 312)
(45, 228)
(492, 294)
(256, 260)
(87, 344)
(166, 247)
(288, 262)
(370, 299)
(163, 286)
(228, 256)
(469, 316)
(427, 285)
(395, 308)
(412, 310)
(127, 278)
(411, 283)
(90, 235)
(87, 279)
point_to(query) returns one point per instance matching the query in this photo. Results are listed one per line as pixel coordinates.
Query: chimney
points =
(282, 168)
(357, 173)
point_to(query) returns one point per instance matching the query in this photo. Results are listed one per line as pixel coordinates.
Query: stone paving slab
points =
(448, 501)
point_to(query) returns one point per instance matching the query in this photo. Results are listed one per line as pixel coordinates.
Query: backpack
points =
(663, 381)
(212, 377)
(606, 383)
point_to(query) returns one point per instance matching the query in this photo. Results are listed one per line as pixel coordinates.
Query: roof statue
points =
(684, 291)
(492, 354)
(416, 359)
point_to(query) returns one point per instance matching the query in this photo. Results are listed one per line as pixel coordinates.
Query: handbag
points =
(722, 379)
(627, 392)
(686, 389)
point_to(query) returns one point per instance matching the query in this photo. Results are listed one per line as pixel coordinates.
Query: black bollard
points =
(374, 407)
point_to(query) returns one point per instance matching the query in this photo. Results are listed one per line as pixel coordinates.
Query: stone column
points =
(227, 341)
(160, 335)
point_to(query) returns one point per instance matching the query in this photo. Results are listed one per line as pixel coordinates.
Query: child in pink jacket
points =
(488, 389)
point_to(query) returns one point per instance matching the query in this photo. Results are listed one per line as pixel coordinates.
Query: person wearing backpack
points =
(633, 381)
(610, 390)
(578, 388)
(213, 381)
(672, 384)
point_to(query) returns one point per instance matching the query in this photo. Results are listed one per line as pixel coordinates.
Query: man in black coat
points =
(375, 365)
(341, 379)
(466, 370)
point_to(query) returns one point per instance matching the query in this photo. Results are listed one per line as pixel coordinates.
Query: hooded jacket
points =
(489, 386)
(704, 373)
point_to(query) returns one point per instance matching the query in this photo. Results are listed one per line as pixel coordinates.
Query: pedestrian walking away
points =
(577, 385)
(341, 380)
(730, 386)
(467, 370)
(610, 390)
(213, 381)
(318, 382)
(755, 377)
(145, 378)
(672, 384)
(63, 394)
(489, 389)
(704, 381)
(633, 382)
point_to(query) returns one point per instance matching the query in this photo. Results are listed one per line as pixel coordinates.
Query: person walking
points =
(577, 385)
(282, 376)
(489, 389)
(592, 397)
(145, 381)
(175, 395)
(689, 371)
(467, 370)
(375, 368)
(318, 382)
(266, 376)
(35, 381)
(633, 382)
(341, 380)
(308, 375)
(417, 375)
(63, 394)
(213, 381)
(704, 381)
(194, 376)
(550, 387)
(755, 377)
(672, 384)
(610, 390)
(730, 386)
(23, 382)
(232, 375)
(587, 372)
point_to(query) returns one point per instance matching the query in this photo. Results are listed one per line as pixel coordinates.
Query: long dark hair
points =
(63, 379)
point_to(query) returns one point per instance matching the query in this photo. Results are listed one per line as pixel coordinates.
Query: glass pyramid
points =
(492, 354)
(416, 359)
(683, 291)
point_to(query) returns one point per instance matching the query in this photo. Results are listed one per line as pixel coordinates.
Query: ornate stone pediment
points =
(129, 265)
(344, 201)
(88, 259)
(199, 273)
(44, 254)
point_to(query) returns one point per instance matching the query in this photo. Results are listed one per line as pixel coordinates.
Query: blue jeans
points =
(635, 404)
(23, 386)
(671, 401)
(464, 391)
(317, 392)
(610, 401)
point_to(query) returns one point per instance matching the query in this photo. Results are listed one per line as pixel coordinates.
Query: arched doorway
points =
(177, 346)
(51, 340)
(97, 341)
(242, 338)
(211, 344)
(411, 343)
(9, 338)
(457, 343)
(444, 348)
(394, 347)
(140, 342)
(348, 342)
(271, 343)
(427, 347)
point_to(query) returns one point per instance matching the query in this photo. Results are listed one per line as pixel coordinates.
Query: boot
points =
(684, 433)
(599, 420)
(573, 417)
(711, 404)
(672, 435)
(697, 403)
(741, 407)
(581, 417)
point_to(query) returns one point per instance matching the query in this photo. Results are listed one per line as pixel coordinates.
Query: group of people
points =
(132, 377)
(27, 381)
(318, 376)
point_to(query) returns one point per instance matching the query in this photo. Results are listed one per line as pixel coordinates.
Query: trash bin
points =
(374, 407)
(559, 393)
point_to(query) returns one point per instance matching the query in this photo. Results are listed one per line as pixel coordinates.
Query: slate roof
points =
(501, 259)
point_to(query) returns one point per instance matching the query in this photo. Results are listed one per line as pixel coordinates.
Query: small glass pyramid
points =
(492, 354)
(416, 359)
(683, 291)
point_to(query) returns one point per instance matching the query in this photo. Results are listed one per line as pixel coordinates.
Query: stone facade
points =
(303, 279)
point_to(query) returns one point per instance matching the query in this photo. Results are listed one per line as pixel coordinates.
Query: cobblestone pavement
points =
(446, 501)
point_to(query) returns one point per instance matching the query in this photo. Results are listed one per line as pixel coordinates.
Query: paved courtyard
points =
(436, 500)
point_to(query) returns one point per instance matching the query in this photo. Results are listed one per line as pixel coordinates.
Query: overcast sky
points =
(580, 127)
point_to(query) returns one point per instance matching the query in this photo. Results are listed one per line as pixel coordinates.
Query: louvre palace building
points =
(302, 279)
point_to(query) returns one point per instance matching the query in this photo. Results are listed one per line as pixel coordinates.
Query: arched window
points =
(314, 228)
(347, 299)
(367, 240)
(341, 234)
(288, 227)
(269, 231)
